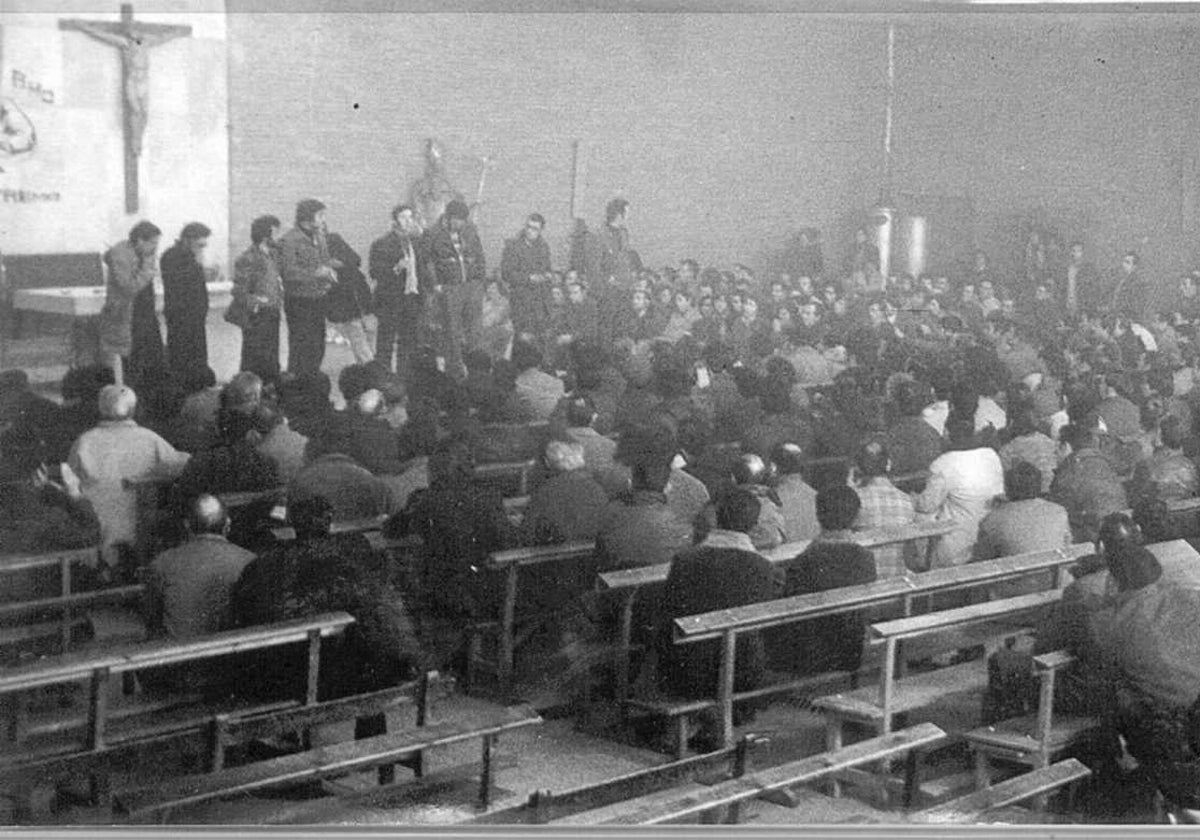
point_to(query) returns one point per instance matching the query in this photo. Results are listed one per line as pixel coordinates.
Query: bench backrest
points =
(970, 808)
(534, 555)
(79, 666)
(845, 599)
(935, 622)
(62, 559)
(68, 603)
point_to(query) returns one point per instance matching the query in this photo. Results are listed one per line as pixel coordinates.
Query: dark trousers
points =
(260, 344)
(399, 333)
(463, 312)
(306, 334)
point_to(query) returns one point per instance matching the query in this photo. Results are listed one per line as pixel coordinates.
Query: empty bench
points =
(1033, 785)
(322, 762)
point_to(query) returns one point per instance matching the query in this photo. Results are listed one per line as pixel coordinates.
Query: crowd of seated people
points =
(673, 428)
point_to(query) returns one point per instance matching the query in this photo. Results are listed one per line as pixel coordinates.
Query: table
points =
(83, 303)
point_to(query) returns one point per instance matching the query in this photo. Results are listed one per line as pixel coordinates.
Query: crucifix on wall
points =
(134, 40)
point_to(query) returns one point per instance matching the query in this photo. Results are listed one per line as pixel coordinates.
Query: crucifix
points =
(134, 40)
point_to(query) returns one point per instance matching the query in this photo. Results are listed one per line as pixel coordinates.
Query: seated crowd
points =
(694, 419)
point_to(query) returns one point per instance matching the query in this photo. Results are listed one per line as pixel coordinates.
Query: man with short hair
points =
(1168, 474)
(525, 269)
(129, 332)
(116, 453)
(1129, 291)
(539, 390)
(458, 268)
(185, 299)
(797, 500)
(640, 529)
(570, 505)
(188, 587)
(308, 274)
(258, 291)
(1079, 284)
(721, 572)
(834, 560)
(398, 262)
(1085, 483)
(1021, 524)
(883, 505)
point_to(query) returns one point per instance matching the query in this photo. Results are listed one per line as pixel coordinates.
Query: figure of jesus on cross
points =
(134, 40)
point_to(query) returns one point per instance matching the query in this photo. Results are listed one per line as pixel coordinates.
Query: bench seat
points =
(1018, 735)
(317, 763)
(970, 808)
(912, 692)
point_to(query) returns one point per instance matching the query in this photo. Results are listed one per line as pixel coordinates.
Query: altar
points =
(82, 304)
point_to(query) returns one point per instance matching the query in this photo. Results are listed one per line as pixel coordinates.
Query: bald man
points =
(188, 587)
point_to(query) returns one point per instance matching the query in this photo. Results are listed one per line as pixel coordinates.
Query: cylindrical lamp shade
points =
(883, 219)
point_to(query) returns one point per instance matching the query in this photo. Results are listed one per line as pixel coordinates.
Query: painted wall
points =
(67, 194)
(726, 132)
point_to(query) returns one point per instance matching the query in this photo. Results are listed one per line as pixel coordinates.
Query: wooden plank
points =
(920, 625)
(249, 726)
(79, 666)
(348, 526)
(540, 554)
(314, 764)
(912, 692)
(1019, 735)
(76, 601)
(970, 808)
(671, 805)
(1053, 661)
(801, 607)
(22, 562)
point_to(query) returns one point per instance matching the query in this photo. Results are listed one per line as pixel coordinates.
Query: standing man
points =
(459, 271)
(129, 334)
(1129, 292)
(399, 264)
(524, 268)
(1079, 284)
(258, 294)
(308, 274)
(611, 256)
(185, 300)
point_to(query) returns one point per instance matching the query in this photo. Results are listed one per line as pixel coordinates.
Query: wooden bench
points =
(72, 611)
(509, 563)
(322, 762)
(696, 800)
(508, 470)
(544, 806)
(1033, 785)
(1032, 740)
(97, 669)
(727, 625)
(878, 706)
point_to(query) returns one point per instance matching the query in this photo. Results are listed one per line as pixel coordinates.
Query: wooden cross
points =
(134, 40)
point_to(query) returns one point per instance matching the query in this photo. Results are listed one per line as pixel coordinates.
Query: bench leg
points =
(983, 772)
(680, 737)
(911, 765)
(833, 741)
(485, 776)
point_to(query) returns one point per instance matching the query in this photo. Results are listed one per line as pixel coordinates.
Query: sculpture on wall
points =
(17, 134)
(134, 40)
(433, 191)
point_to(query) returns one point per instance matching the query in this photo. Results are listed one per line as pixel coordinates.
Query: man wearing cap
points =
(308, 274)
(458, 270)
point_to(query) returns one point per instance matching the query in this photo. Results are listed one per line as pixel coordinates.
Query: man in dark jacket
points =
(524, 267)
(349, 301)
(833, 560)
(308, 275)
(399, 265)
(185, 300)
(721, 572)
(457, 264)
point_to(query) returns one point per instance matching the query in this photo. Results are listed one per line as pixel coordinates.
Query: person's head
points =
(720, 306)
(688, 271)
(534, 226)
(265, 229)
(651, 473)
(872, 461)
(1172, 433)
(640, 300)
(1077, 251)
(1079, 436)
(981, 261)
(206, 515)
(144, 237)
(1117, 533)
(457, 213)
(310, 215)
(1187, 284)
(616, 213)
(749, 307)
(987, 290)
(451, 462)
(575, 291)
(581, 413)
(837, 507)
(558, 295)
(737, 509)
(370, 403)
(787, 459)
(1023, 481)
(751, 469)
(564, 456)
(243, 392)
(1130, 262)
(310, 516)
(117, 402)
(912, 397)
(525, 355)
(194, 237)
(404, 219)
